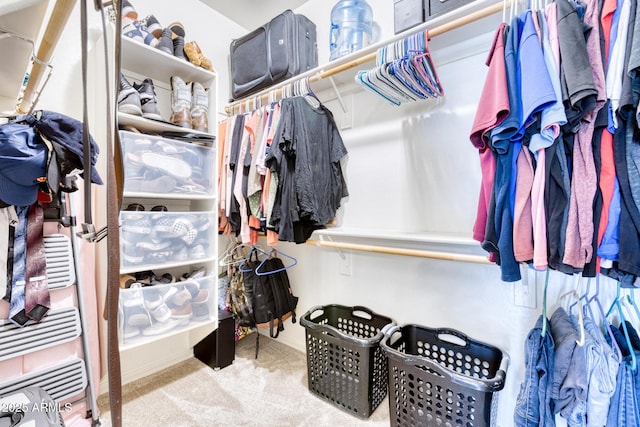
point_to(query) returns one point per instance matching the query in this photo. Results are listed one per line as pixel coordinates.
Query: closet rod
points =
(57, 21)
(315, 75)
(445, 256)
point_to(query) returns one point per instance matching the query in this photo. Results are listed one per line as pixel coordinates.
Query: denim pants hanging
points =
(533, 408)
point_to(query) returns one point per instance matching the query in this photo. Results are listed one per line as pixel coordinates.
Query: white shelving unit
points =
(148, 352)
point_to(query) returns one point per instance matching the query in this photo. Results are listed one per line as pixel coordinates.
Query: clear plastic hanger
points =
(233, 254)
(607, 326)
(275, 253)
(616, 304)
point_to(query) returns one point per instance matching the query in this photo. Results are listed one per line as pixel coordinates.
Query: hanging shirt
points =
(306, 153)
(537, 95)
(579, 234)
(617, 63)
(499, 237)
(493, 108)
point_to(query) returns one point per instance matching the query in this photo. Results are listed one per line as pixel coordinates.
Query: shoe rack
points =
(169, 179)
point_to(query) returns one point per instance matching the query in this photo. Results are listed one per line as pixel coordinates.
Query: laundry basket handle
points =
(307, 321)
(452, 336)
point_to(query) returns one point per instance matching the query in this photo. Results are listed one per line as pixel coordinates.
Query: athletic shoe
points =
(178, 48)
(128, 10)
(161, 313)
(153, 26)
(166, 42)
(180, 102)
(136, 31)
(148, 99)
(171, 165)
(199, 108)
(128, 98)
(180, 298)
(200, 305)
(184, 311)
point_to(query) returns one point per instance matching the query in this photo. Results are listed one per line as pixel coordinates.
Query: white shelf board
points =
(158, 65)
(208, 325)
(450, 242)
(158, 127)
(134, 269)
(168, 196)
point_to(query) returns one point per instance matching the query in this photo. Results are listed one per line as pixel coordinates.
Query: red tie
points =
(37, 299)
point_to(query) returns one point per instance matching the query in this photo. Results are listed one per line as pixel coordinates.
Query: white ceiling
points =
(251, 14)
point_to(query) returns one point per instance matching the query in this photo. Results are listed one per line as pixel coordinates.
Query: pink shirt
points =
(579, 235)
(522, 218)
(493, 108)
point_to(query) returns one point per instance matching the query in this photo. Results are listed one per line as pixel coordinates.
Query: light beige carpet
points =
(269, 391)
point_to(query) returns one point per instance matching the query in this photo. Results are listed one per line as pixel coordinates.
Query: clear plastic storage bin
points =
(155, 165)
(155, 239)
(155, 310)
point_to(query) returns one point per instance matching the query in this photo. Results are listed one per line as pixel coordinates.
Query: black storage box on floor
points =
(345, 364)
(441, 377)
(218, 349)
(282, 48)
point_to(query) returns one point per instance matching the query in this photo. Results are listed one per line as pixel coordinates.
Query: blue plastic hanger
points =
(616, 304)
(632, 301)
(544, 303)
(274, 253)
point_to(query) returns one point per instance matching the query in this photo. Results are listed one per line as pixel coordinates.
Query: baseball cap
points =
(23, 164)
(66, 132)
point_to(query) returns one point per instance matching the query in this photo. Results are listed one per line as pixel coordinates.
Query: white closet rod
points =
(59, 17)
(314, 75)
(445, 256)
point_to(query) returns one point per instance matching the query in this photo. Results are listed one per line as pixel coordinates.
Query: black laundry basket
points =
(440, 377)
(344, 362)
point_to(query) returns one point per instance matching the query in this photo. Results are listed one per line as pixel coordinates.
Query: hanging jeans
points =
(602, 363)
(623, 411)
(533, 407)
(570, 381)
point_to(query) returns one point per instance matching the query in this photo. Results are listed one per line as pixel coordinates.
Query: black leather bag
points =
(280, 49)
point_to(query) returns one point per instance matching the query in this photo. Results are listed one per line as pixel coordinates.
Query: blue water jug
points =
(351, 27)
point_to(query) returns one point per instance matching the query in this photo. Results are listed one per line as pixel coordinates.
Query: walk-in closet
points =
(429, 216)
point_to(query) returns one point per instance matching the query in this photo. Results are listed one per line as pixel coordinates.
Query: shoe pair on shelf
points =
(138, 99)
(189, 104)
(169, 39)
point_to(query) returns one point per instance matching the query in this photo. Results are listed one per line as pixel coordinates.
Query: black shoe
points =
(178, 48)
(148, 99)
(166, 43)
(128, 98)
